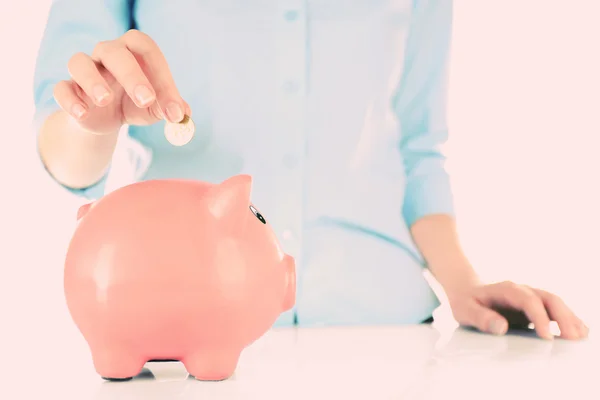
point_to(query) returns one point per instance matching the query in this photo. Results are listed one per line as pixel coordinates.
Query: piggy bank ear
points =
(228, 201)
(84, 210)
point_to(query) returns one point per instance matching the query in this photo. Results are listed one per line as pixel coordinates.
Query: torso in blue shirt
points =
(336, 108)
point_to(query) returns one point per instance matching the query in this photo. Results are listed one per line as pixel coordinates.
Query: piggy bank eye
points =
(258, 215)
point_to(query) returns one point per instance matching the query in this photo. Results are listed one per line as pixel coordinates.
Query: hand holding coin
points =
(180, 133)
(124, 81)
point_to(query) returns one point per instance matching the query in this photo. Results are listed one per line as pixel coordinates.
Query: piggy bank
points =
(175, 270)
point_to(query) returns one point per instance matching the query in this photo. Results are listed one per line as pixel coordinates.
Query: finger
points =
(188, 109)
(570, 326)
(119, 61)
(533, 307)
(84, 72)
(157, 70)
(520, 298)
(483, 319)
(67, 98)
(585, 329)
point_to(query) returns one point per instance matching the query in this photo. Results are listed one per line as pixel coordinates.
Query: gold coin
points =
(180, 133)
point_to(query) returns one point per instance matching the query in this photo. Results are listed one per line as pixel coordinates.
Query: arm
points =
(421, 109)
(428, 208)
(76, 158)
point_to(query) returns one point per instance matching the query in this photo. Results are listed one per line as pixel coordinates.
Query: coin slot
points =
(258, 215)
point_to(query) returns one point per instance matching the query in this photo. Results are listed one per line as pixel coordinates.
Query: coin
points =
(180, 133)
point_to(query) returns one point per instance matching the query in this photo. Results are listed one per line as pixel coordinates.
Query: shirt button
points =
(290, 160)
(291, 15)
(290, 87)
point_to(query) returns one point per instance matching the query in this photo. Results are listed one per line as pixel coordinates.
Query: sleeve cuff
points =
(428, 196)
(93, 192)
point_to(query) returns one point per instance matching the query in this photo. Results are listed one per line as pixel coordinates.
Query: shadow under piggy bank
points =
(170, 381)
(175, 270)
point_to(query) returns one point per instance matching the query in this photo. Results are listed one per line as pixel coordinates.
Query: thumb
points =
(484, 319)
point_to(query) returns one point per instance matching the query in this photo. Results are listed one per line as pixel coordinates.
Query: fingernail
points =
(544, 331)
(585, 331)
(174, 112)
(143, 95)
(78, 110)
(100, 94)
(548, 335)
(498, 327)
(188, 110)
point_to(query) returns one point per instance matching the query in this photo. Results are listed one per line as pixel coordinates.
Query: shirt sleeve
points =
(420, 106)
(73, 26)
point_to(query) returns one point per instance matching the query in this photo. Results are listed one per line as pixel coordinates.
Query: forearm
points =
(437, 239)
(74, 156)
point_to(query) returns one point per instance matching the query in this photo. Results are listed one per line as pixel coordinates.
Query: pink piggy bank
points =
(175, 270)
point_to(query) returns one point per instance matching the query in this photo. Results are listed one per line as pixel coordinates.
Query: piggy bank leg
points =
(212, 364)
(290, 294)
(116, 364)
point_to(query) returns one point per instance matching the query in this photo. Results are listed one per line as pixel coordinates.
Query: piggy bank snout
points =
(289, 264)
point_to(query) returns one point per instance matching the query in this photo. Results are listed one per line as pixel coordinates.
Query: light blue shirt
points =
(336, 108)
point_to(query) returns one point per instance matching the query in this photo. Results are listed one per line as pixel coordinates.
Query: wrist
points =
(105, 132)
(437, 239)
(457, 278)
(75, 156)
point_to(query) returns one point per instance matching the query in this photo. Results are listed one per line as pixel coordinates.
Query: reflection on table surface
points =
(410, 362)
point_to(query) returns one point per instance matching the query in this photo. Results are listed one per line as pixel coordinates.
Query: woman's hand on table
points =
(494, 308)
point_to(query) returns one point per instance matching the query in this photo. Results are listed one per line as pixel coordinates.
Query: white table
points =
(411, 362)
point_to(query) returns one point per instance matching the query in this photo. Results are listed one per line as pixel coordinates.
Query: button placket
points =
(291, 15)
(291, 47)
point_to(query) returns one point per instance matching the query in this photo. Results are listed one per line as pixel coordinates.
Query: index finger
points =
(156, 68)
